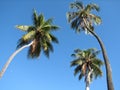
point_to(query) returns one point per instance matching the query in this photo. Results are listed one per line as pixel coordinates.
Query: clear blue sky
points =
(55, 73)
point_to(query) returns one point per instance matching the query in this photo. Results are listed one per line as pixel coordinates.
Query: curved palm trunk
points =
(106, 60)
(11, 58)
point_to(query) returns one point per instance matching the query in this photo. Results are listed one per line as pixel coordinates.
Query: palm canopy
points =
(40, 34)
(85, 61)
(81, 15)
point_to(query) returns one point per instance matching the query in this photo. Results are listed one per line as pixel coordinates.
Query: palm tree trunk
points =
(88, 80)
(87, 86)
(106, 60)
(11, 58)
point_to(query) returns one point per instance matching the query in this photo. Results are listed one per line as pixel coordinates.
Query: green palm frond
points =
(26, 38)
(29, 36)
(48, 28)
(96, 70)
(47, 48)
(77, 4)
(54, 27)
(23, 27)
(21, 43)
(77, 70)
(76, 62)
(97, 20)
(35, 18)
(48, 37)
(81, 76)
(47, 52)
(75, 24)
(50, 46)
(48, 22)
(78, 50)
(54, 39)
(97, 61)
(41, 20)
(78, 54)
(90, 7)
(71, 16)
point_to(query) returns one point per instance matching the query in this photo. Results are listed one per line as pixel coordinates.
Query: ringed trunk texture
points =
(11, 58)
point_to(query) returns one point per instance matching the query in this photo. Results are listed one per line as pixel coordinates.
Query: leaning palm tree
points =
(87, 65)
(82, 19)
(38, 37)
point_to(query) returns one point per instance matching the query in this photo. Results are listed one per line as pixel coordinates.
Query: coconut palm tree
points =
(82, 19)
(87, 65)
(37, 37)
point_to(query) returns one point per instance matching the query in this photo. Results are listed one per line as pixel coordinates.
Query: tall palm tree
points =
(38, 37)
(82, 19)
(87, 65)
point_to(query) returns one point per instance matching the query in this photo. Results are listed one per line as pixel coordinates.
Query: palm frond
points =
(21, 42)
(48, 22)
(41, 20)
(54, 39)
(94, 54)
(97, 62)
(76, 62)
(78, 50)
(48, 28)
(35, 18)
(23, 27)
(48, 37)
(97, 20)
(49, 46)
(77, 5)
(77, 70)
(47, 52)
(29, 36)
(96, 70)
(71, 16)
(81, 76)
(90, 7)
(75, 25)
(54, 27)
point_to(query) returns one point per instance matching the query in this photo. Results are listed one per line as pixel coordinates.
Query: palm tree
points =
(82, 19)
(87, 65)
(38, 37)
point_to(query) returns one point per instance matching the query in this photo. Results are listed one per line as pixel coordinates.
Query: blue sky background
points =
(55, 73)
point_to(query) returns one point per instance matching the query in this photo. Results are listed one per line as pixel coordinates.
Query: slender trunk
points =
(88, 80)
(107, 64)
(106, 60)
(87, 87)
(11, 58)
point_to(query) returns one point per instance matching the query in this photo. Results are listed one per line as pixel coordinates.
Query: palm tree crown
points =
(81, 15)
(85, 62)
(40, 34)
